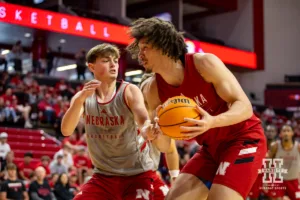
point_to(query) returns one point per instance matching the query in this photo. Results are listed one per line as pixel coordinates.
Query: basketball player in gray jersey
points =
(289, 151)
(172, 158)
(111, 110)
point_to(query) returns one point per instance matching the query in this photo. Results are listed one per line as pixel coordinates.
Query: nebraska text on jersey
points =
(104, 121)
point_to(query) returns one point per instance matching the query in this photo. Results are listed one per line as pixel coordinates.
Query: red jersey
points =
(27, 169)
(205, 95)
(81, 161)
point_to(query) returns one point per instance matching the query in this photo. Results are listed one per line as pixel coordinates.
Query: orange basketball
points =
(171, 115)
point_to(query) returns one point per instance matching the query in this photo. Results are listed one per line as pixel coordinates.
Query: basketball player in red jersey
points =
(172, 157)
(232, 137)
(111, 109)
(257, 188)
(289, 151)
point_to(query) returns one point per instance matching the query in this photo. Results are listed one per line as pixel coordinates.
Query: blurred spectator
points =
(2, 110)
(8, 160)
(70, 141)
(50, 59)
(38, 52)
(81, 64)
(17, 52)
(45, 161)
(28, 80)
(24, 110)
(53, 180)
(15, 80)
(269, 112)
(4, 81)
(9, 110)
(62, 188)
(3, 61)
(57, 166)
(4, 147)
(81, 162)
(61, 86)
(27, 167)
(67, 156)
(40, 188)
(74, 187)
(13, 188)
(45, 107)
(80, 159)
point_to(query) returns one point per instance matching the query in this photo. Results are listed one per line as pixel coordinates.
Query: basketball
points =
(171, 115)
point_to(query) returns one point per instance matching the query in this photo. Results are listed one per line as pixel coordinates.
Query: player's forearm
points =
(238, 112)
(71, 117)
(162, 143)
(172, 159)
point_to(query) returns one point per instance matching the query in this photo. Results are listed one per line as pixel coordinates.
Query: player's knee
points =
(187, 186)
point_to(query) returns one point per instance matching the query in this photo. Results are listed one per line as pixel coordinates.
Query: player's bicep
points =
(213, 70)
(135, 102)
(152, 100)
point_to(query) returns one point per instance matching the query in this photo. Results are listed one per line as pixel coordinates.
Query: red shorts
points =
(101, 187)
(233, 163)
(291, 188)
(160, 188)
(257, 187)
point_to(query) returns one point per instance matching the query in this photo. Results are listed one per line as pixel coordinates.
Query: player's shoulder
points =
(204, 58)
(129, 87)
(206, 63)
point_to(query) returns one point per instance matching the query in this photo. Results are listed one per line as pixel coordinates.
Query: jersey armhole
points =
(83, 114)
(124, 98)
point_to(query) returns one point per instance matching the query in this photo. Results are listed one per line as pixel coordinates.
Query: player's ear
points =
(91, 67)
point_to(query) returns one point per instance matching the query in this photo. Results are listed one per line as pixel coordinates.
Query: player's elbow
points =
(248, 110)
(65, 131)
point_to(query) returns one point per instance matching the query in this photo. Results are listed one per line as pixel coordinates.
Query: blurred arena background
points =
(42, 49)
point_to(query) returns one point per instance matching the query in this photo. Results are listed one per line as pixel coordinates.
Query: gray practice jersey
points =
(291, 161)
(112, 137)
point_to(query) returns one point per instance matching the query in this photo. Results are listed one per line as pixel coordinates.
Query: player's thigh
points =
(217, 191)
(139, 188)
(239, 163)
(195, 178)
(98, 188)
(187, 186)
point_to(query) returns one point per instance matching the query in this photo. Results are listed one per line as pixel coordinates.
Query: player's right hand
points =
(89, 89)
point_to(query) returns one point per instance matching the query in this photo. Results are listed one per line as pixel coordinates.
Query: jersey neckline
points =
(104, 103)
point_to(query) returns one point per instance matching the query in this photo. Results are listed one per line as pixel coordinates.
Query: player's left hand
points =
(199, 126)
(148, 131)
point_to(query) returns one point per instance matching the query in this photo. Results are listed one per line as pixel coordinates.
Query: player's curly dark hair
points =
(161, 34)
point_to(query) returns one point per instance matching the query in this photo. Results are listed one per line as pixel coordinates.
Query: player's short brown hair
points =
(102, 50)
(161, 34)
